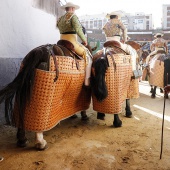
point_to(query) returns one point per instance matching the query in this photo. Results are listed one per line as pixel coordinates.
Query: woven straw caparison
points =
(118, 82)
(156, 73)
(52, 101)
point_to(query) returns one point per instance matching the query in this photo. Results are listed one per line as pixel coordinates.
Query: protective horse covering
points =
(118, 82)
(156, 77)
(133, 90)
(52, 101)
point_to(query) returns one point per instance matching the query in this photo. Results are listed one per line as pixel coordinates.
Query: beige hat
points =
(70, 4)
(114, 13)
(158, 34)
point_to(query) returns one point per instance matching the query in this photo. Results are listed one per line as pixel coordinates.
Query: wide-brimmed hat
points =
(158, 34)
(119, 14)
(70, 4)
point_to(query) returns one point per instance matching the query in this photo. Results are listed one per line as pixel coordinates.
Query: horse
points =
(159, 72)
(35, 99)
(111, 60)
(48, 88)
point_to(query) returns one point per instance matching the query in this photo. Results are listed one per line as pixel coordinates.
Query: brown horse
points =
(159, 72)
(48, 89)
(109, 63)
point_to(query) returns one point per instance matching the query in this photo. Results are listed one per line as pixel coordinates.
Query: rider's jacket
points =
(115, 27)
(158, 43)
(70, 24)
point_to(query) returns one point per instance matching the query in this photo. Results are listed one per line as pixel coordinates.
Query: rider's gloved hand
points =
(84, 43)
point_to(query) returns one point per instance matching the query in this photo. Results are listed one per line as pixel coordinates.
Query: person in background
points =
(114, 29)
(70, 27)
(159, 44)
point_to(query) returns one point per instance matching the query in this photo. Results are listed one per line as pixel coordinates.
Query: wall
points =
(22, 28)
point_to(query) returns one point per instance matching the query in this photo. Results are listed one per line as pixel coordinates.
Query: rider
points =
(70, 27)
(115, 30)
(159, 44)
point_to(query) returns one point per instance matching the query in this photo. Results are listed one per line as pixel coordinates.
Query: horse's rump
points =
(134, 44)
(52, 101)
(117, 82)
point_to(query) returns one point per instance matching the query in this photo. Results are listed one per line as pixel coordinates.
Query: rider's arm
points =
(78, 28)
(152, 47)
(124, 30)
(166, 47)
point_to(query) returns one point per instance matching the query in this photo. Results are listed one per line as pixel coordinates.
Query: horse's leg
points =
(22, 140)
(117, 122)
(40, 143)
(151, 89)
(128, 111)
(161, 90)
(154, 92)
(100, 116)
(84, 115)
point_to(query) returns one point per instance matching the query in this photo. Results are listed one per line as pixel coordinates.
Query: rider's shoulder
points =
(69, 15)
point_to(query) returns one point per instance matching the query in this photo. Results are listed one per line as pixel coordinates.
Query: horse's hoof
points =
(153, 96)
(22, 143)
(41, 146)
(84, 118)
(166, 96)
(74, 116)
(117, 124)
(129, 114)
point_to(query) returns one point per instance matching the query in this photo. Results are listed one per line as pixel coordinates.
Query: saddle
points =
(115, 46)
(66, 44)
(65, 48)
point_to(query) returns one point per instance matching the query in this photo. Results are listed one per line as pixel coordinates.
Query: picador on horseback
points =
(157, 64)
(70, 27)
(111, 94)
(52, 82)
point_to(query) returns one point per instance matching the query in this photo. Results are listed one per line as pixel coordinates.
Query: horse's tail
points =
(98, 80)
(20, 88)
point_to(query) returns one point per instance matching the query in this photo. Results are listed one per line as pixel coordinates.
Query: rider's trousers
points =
(82, 51)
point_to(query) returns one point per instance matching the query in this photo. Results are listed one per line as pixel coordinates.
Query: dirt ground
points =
(96, 144)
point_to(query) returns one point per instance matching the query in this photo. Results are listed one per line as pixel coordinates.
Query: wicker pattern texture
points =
(117, 81)
(52, 101)
(156, 73)
(133, 90)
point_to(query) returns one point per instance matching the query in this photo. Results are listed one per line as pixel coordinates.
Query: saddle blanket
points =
(117, 82)
(52, 101)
